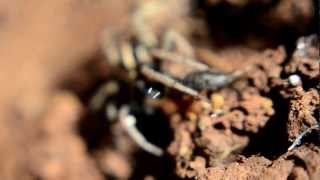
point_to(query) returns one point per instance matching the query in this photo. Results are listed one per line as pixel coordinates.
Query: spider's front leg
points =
(129, 123)
(108, 89)
(298, 139)
(171, 83)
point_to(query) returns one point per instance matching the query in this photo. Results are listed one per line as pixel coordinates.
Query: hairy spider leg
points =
(172, 83)
(129, 123)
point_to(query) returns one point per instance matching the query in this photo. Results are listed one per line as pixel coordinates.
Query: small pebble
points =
(217, 101)
(267, 103)
(294, 80)
(192, 116)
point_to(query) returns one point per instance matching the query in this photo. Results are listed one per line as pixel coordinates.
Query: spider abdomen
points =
(207, 80)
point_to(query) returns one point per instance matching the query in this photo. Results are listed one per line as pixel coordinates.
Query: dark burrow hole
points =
(150, 165)
(153, 124)
(272, 140)
(219, 126)
(309, 83)
(94, 128)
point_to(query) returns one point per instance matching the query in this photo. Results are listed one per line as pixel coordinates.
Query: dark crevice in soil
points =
(312, 137)
(147, 164)
(298, 161)
(94, 129)
(230, 25)
(154, 126)
(271, 141)
(312, 83)
(242, 132)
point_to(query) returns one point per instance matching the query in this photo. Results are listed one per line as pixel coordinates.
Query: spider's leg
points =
(107, 89)
(177, 58)
(174, 41)
(110, 47)
(128, 121)
(239, 73)
(171, 83)
(297, 141)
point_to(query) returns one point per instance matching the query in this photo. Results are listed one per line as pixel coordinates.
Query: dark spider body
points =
(207, 80)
